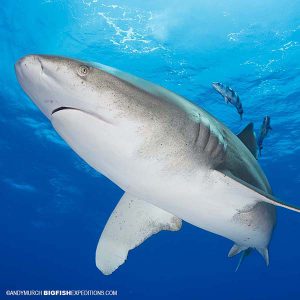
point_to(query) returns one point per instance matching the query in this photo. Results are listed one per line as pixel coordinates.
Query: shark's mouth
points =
(95, 115)
(62, 108)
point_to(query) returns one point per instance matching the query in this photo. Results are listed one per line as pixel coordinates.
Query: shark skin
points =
(160, 149)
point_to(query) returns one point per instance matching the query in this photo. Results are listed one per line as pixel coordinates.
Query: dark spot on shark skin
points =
(256, 217)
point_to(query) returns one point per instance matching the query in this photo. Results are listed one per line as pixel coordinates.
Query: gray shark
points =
(173, 159)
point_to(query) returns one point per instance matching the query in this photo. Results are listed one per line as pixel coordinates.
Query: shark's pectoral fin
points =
(130, 224)
(247, 136)
(250, 193)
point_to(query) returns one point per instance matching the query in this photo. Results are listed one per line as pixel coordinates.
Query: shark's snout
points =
(28, 65)
(35, 75)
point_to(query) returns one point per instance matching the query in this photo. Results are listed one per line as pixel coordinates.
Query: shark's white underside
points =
(207, 199)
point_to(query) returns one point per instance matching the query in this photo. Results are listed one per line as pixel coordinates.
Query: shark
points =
(174, 161)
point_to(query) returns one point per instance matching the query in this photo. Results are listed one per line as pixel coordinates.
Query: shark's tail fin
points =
(246, 251)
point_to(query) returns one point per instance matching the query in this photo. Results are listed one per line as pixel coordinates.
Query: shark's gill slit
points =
(206, 137)
(40, 61)
(198, 128)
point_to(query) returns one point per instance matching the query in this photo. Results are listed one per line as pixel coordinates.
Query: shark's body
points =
(173, 159)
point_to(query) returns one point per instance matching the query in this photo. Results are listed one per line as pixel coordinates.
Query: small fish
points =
(230, 96)
(264, 130)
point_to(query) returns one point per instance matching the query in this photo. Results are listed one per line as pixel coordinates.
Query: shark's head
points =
(98, 110)
(55, 83)
(87, 105)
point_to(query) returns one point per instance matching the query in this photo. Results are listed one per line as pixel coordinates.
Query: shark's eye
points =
(83, 70)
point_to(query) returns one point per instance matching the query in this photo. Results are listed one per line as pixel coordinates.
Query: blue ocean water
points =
(53, 206)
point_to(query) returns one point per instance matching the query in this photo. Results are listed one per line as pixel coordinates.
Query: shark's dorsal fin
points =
(247, 136)
(130, 224)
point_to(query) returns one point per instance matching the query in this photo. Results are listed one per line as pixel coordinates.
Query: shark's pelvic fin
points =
(244, 254)
(236, 249)
(247, 136)
(265, 254)
(130, 224)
